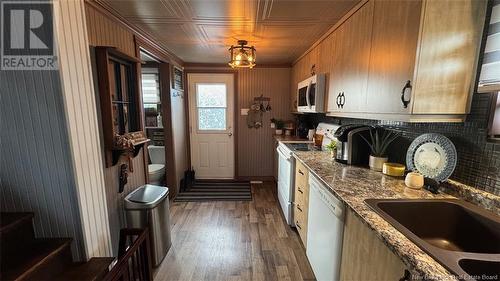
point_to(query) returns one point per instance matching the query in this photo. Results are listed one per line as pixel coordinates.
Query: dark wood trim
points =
(225, 66)
(145, 152)
(141, 35)
(103, 85)
(166, 111)
(166, 105)
(236, 112)
(134, 256)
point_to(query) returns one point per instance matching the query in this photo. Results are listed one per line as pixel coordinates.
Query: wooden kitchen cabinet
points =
(365, 256)
(450, 37)
(301, 200)
(351, 57)
(436, 52)
(393, 51)
(372, 55)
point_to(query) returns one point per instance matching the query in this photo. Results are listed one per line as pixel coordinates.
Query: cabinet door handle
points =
(342, 100)
(300, 172)
(403, 100)
(300, 190)
(299, 208)
(338, 101)
(406, 276)
(298, 225)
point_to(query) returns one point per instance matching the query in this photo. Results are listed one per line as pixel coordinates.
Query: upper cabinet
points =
(392, 55)
(405, 60)
(450, 40)
(349, 75)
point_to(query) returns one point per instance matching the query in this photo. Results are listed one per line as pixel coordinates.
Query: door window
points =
(211, 106)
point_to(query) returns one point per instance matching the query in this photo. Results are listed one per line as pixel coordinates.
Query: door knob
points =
(230, 134)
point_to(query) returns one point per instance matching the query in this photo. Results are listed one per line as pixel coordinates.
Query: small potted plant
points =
(279, 125)
(332, 147)
(380, 139)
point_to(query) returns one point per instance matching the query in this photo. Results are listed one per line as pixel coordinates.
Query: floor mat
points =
(211, 190)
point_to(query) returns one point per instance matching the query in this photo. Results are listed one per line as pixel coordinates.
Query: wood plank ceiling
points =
(201, 31)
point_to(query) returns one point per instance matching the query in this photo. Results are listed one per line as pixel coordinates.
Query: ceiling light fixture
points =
(242, 55)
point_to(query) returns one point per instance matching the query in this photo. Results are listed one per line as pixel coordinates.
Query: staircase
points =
(25, 257)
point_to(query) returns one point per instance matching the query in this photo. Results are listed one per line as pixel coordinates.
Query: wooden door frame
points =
(164, 72)
(235, 110)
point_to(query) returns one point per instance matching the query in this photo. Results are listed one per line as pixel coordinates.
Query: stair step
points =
(36, 260)
(11, 221)
(93, 270)
(16, 231)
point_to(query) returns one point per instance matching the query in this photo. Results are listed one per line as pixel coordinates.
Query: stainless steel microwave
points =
(311, 94)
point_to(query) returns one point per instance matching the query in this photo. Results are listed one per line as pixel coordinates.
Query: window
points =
(211, 104)
(178, 79)
(489, 80)
(123, 97)
(150, 86)
(151, 97)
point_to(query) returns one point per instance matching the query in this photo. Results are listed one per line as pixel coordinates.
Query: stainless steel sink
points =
(461, 236)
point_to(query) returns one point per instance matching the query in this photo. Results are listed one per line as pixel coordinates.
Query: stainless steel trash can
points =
(148, 206)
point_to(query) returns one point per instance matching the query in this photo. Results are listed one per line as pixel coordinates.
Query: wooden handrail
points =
(134, 259)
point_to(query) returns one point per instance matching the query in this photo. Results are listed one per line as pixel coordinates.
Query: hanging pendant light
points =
(242, 55)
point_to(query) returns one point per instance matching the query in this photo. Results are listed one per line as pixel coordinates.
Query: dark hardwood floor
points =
(234, 241)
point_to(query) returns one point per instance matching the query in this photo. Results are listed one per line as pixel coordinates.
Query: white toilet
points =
(156, 169)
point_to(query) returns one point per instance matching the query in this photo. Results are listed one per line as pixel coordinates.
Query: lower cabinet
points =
(301, 200)
(365, 257)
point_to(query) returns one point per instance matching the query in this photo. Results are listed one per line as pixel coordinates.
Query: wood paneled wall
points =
(36, 172)
(51, 162)
(104, 31)
(83, 125)
(256, 146)
(179, 135)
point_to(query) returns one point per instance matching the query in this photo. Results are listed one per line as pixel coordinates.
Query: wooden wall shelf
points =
(118, 152)
(120, 99)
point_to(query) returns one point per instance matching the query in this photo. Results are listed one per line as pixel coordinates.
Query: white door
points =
(211, 115)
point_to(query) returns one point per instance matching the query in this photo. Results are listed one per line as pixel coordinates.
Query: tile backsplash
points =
(478, 159)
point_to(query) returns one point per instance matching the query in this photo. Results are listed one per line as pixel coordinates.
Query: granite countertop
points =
(355, 184)
(290, 139)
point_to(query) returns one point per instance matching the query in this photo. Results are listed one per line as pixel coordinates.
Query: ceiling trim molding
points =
(191, 65)
(332, 29)
(138, 32)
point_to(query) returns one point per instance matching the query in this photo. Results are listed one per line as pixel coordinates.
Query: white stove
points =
(286, 167)
(286, 172)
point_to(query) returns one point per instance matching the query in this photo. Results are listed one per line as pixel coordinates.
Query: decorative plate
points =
(432, 155)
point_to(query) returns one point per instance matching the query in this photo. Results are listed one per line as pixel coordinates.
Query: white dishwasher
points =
(324, 231)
